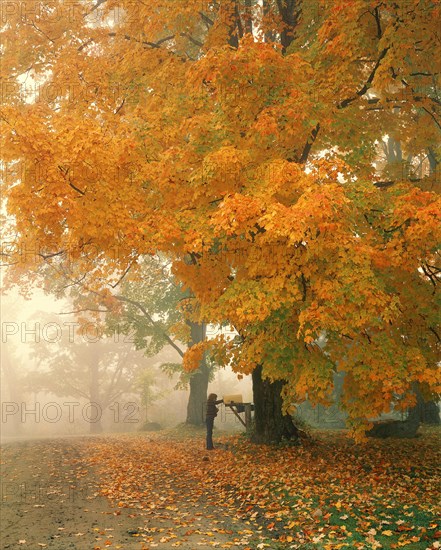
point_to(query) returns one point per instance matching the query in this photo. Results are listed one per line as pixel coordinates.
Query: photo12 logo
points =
(39, 493)
(35, 253)
(68, 411)
(52, 333)
(47, 11)
(73, 91)
(54, 11)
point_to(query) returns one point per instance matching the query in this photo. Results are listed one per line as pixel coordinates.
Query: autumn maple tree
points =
(243, 139)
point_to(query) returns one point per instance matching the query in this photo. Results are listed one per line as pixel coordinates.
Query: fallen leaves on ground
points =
(327, 494)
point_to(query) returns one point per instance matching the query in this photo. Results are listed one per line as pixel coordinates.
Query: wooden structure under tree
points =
(236, 404)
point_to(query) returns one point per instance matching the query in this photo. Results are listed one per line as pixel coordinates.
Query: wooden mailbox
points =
(236, 404)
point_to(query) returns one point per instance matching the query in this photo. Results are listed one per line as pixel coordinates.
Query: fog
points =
(57, 379)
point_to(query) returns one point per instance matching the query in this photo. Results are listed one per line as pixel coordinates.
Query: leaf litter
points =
(329, 493)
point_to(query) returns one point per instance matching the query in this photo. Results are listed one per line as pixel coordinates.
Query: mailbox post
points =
(248, 408)
(236, 404)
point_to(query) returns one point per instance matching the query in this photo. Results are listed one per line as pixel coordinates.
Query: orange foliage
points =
(248, 158)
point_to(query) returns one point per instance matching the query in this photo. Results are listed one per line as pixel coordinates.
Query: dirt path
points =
(51, 499)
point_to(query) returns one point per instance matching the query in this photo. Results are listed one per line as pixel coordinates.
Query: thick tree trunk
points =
(424, 412)
(290, 13)
(397, 428)
(430, 414)
(270, 424)
(198, 382)
(198, 396)
(427, 411)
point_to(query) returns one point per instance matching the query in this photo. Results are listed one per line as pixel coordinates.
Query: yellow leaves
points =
(181, 332)
(294, 495)
(221, 172)
(193, 357)
(266, 125)
(236, 214)
(414, 227)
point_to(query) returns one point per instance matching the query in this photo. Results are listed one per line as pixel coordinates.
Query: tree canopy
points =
(243, 139)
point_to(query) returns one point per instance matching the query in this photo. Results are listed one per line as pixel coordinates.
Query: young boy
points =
(211, 414)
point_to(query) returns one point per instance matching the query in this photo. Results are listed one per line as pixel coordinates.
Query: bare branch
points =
(193, 40)
(367, 84)
(124, 274)
(206, 19)
(309, 144)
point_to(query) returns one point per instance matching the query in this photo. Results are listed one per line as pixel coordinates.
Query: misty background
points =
(60, 379)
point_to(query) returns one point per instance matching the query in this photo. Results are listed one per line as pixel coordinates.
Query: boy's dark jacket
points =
(212, 410)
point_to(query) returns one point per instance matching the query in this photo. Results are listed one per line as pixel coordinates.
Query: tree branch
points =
(150, 319)
(206, 19)
(309, 144)
(367, 84)
(129, 267)
(193, 40)
(435, 333)
(433, 116)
